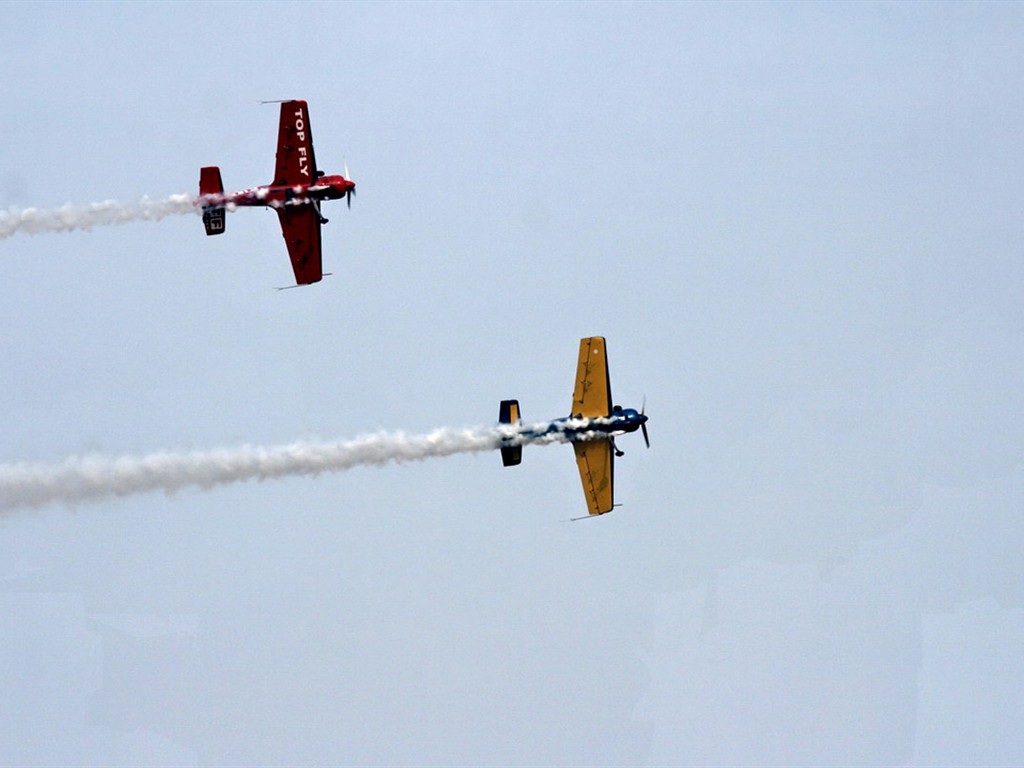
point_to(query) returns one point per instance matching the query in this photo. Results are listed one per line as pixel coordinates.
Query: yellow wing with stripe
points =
(593, 395)
(596, 463)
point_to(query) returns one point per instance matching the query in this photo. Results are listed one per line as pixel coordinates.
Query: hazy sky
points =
(798, 227)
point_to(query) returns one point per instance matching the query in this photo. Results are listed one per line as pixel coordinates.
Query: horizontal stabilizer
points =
(508, 413)
(214, 220)
(209, 181)
(511, 455)
(210, 184)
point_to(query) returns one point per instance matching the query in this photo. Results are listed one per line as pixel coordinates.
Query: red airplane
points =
(296, 193)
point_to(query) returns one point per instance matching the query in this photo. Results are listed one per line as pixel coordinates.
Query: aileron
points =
(300, 227)
(597, 473)
(295, 161)
(592, 397)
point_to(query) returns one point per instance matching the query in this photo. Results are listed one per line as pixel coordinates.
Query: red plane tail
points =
(213, 213)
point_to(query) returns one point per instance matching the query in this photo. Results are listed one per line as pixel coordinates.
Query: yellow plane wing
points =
(596, 463)
(593, 395)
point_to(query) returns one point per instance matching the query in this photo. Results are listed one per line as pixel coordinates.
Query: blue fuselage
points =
(620, 421)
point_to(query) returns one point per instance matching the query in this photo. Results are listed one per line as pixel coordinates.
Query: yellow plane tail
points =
(508, 413)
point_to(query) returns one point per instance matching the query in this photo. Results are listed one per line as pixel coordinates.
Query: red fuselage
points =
(325, 188)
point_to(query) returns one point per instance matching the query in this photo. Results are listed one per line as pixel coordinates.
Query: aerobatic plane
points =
(295, 193)
(591, 427)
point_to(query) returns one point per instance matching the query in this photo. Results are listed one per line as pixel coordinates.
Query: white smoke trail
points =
(68, 218)
(90, 478)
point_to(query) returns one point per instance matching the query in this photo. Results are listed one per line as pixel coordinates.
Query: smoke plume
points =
(90, 478)
(68, 218)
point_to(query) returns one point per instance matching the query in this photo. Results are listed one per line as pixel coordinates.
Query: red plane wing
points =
(295, 161)
(301, 229)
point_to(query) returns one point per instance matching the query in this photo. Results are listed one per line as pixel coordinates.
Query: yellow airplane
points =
(591, 427)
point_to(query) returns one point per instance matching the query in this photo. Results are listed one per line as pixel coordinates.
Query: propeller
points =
(643, 427)
(351, 191)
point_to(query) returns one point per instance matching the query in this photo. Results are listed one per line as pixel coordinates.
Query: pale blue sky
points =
(798, 227)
